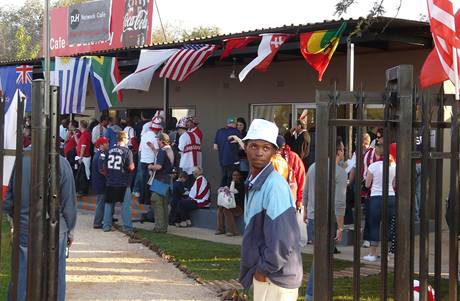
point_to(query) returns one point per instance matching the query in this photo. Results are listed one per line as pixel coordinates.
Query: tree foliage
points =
(21, 31)
(176, 32)
(377, 9)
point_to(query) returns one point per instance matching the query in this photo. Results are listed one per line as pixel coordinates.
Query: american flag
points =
(24, 74)
(442, 24)
(187, 60)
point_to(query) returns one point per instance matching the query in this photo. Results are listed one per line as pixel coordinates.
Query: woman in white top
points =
(374, 181)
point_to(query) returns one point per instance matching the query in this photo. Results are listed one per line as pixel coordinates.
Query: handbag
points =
(159, 187)
(226, 196)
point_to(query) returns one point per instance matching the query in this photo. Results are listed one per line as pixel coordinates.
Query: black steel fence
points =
(43, 232)
(408, 114)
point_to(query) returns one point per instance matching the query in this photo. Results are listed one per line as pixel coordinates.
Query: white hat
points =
(157, 123)
(182, 123)
(261, 129)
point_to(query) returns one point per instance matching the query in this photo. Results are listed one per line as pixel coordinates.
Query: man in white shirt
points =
(148, 149)
(189, 147)
(98, 130)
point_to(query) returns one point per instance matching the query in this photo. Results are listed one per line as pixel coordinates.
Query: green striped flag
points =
(104, 77)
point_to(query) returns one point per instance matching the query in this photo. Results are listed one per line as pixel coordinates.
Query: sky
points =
(242, 15)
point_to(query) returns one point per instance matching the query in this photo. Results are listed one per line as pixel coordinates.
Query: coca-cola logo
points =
(135, 22)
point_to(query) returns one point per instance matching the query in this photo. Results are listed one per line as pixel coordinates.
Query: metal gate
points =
(401, 123)
(43, 233)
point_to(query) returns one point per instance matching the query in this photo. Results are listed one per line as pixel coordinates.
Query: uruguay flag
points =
(71, 75)
(17, 77)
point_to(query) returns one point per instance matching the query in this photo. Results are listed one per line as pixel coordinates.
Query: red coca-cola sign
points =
(130, 26)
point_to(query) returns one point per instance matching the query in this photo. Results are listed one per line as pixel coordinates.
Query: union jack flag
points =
(24, 74)
(187, 60)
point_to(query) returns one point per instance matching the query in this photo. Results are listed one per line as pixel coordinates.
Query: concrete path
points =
(104, 266)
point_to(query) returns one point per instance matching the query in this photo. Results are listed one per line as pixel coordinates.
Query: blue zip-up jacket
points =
(271, 241)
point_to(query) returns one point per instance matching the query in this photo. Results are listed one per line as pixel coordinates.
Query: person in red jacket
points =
(296, 177)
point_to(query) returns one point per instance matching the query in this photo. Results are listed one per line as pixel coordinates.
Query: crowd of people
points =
(162, 166)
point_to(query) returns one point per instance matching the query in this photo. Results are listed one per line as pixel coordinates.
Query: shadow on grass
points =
(210, 260)
(217, 261)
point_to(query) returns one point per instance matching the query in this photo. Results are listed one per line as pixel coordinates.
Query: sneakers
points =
(230, 234)
(189, 223)
(366, 244)
(183, 224)
(370, 258)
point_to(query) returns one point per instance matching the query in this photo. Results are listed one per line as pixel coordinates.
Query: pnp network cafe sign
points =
(100, 25)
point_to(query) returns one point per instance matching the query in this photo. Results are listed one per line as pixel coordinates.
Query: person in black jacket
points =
(228, 215)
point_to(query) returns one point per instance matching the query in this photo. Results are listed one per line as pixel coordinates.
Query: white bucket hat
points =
(261, 129)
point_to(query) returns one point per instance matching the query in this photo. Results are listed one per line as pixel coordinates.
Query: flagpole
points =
(350, 87)
(455, 61)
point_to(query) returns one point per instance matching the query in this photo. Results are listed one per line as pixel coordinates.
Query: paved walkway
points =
(104, 266)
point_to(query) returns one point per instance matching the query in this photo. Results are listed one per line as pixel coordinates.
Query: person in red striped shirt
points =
(198, 198)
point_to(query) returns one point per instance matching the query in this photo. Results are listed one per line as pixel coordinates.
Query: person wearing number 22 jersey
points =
(119, 165)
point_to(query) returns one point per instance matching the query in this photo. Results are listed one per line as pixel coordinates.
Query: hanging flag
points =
(17, 77)
(105, 75)
(317, 47)
(187, 60)
(71, 75)
(269, 46)
(439, 65)
(10, 132)
(442, 20)
(432, 72)
(149, 61)
(236, 43)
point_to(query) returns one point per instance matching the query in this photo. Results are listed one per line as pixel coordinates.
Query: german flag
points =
(317, 47)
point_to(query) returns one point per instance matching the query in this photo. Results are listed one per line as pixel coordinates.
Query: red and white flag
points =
(439, 65)
(187, 60)
(269, 46)
(236, 43)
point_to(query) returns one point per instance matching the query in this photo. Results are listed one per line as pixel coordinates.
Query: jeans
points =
(22, 268)
(99, 214)
(145, 188)
(138, 177)
(418, 187)
(375, 216)
(309, 291)
(366, 219)
(311, 229)
(125, 212)
(184, 207)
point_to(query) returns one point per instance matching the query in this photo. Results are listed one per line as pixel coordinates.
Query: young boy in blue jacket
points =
(270, 253)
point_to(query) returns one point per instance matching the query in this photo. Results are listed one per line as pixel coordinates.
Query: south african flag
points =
(104, 77)
(317, 47)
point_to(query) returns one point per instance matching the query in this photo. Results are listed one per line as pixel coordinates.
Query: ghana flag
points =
(104, 77)
(317, 47)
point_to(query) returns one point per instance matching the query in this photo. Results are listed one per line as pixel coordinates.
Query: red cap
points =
(101, 140)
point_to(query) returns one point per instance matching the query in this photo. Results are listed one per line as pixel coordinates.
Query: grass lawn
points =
(5, 260)
(217, 261)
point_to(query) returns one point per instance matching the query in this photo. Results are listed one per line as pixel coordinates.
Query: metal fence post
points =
(17, 198)
(402, 79)
(38, 194)
(321, 259)
(53, 208)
